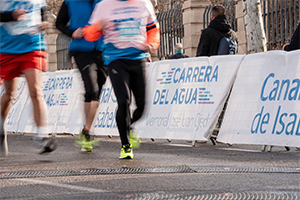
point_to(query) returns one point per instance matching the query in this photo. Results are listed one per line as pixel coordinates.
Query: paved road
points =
(160, 170)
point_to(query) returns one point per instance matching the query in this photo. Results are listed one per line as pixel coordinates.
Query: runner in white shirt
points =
(130, 30)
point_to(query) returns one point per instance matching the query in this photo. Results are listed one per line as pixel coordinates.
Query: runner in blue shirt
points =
(22, 51)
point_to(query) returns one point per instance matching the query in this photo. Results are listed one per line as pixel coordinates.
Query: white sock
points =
(42, 131)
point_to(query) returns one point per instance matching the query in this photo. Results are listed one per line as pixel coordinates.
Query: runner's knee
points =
(34, 93)
(91, 95)
(8, 95)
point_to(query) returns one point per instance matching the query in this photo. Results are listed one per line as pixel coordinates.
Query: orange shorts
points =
(12, 65)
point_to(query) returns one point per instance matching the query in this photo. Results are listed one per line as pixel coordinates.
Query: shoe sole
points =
(126, 158)
(83, 149)
(81, 143)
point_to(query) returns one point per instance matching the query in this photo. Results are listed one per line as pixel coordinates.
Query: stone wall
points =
(193, 25)
(51, 35)
(241, 32)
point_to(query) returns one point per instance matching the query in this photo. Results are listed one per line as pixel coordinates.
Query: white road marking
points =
(73, 187)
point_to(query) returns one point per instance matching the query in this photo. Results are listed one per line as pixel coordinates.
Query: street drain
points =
(144, 170)
(177, 195)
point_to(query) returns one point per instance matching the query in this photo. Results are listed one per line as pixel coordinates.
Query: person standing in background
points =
(178, 52)
(218, 28)
(295, 41)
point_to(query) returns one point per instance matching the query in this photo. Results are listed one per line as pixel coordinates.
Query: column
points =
(193, 24)
(241, 32)
(51, 35)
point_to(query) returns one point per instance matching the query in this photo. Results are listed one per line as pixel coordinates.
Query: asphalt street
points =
(159, 170)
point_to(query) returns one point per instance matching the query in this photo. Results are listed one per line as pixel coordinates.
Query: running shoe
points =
(3, 139)
(85, 141)
(134, 140)
(126, 152)
(45, 145)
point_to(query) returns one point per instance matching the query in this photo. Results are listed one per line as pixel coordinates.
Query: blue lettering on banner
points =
(184, 95)
(278, 90)
(60, 99)
(59, 83)
(106, 95)
(179, 120)
(281, 90)
(196, 74)
(106, 119)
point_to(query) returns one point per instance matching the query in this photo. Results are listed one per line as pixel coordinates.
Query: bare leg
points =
(33, 81)
(90, 112)
(5, 107)
(7, 97)
(43, 143)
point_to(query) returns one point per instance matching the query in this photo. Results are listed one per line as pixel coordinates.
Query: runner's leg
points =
(7, 97)
(137, 85)
(5, 107)
(120, 79)
(39, 112)
(44, 144)
(88, 65)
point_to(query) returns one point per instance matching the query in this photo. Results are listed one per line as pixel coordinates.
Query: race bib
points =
(129, 30)
(28, 24)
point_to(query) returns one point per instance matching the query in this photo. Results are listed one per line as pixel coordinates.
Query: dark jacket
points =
(211, 36)
(295, 41)
(178, 55)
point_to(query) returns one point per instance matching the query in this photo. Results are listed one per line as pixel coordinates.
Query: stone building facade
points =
(193, 25)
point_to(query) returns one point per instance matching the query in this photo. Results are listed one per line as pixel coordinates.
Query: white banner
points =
(62, 92)
(186, 96)
(264, 107)
(105, 120)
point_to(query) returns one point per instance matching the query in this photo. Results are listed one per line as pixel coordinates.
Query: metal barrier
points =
(171, 31)
(230, 13)
(280, 18)
(231, 17)
(62, 51)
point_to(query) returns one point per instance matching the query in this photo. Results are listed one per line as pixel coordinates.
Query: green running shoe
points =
(126, 152)
(134, 140)
(85, 142)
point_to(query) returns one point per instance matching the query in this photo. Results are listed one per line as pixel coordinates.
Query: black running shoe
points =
(46, 145)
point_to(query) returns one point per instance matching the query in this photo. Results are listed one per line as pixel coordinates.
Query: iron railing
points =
(62, 51)
(171, 31)
(229, 13)
(280, 18)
